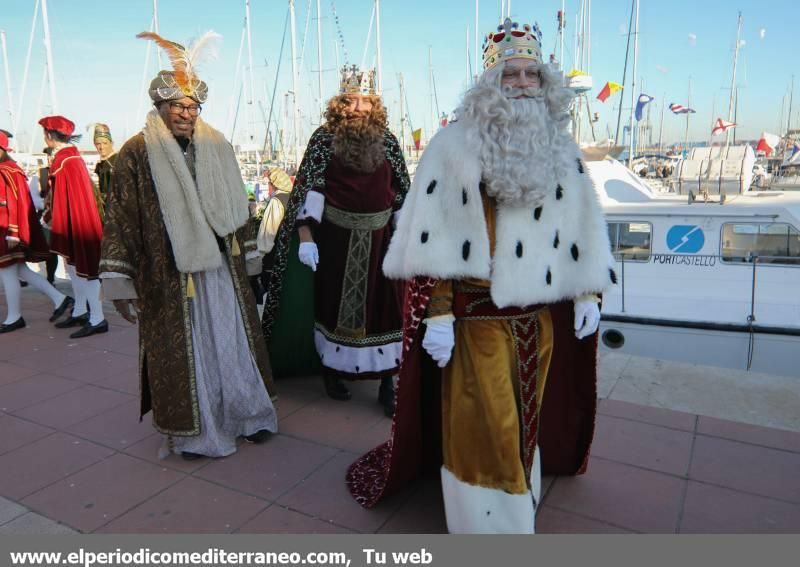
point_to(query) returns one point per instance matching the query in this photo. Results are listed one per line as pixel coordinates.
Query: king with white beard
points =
(506, 251)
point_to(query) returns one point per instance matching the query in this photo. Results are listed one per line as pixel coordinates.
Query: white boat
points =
(712, 283)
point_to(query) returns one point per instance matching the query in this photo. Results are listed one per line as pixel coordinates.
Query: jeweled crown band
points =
(512, 41)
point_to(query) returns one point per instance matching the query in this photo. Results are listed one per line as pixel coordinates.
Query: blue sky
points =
(99, 64)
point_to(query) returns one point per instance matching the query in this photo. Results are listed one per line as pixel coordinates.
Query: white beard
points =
(517, 158)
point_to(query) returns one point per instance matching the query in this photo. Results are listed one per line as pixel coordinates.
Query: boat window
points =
(773, 243)
(631, 240)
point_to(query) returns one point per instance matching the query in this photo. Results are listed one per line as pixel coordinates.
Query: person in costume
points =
(46, 193)
(21, 241)
(75, 227)
(274, 213)
(505, 248)
(350, 183)
(172, 262)
(105, 166)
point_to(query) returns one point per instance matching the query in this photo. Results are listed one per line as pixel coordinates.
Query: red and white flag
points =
(767, 143)
(720, 126)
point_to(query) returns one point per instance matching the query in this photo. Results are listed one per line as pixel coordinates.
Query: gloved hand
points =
(309, 255)
(440, 339)
(587, 318)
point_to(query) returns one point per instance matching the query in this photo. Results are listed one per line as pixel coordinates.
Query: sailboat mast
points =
(251, 94)
(155, 29)
(49, 51)
(732, 100)
(791, 102)
(469, 59)
(295, 112)
(633, 83)
(378, 44)
(27, 65)
(624, 74)
(589, 37)
(561, 25)
(8, 81)
(430, 86)
(688, 114)
(661, 124)
(319, 60)
(478, 54)
(402, 116)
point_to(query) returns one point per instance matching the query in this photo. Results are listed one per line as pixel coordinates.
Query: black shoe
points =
(18, 324)
(70, 321)
(336, 389)
(23, 283)
(88, 330)
(188, 456)
(61, 309)
(386, 396)
(258, 437)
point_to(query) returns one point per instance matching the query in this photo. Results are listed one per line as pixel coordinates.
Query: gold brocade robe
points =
(481, 413)
(136, 244)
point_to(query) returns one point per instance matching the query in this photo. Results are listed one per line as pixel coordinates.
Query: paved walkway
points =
(73, 456)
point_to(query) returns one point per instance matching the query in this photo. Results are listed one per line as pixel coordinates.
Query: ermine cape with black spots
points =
(554, 251)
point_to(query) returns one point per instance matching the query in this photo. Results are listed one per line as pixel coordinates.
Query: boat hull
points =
(772, 352)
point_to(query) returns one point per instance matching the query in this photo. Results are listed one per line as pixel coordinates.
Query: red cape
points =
(76, 228)
(19, 211)
(566, 422)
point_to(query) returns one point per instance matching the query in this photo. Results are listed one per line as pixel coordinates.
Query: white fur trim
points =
(357, 360)
(451, 214)
(435, 222)
(466, 505)
(536, 478)
(472, 509)
(313, 207)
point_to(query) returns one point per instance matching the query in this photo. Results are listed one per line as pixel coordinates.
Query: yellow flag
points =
(417, 136)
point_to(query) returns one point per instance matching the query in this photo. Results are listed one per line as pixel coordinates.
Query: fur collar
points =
(542, 254)
(193, 212)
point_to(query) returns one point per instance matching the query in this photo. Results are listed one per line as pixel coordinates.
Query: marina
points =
(697, 429)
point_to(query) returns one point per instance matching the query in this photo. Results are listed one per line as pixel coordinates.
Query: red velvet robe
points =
(18, 218)
(76, 228)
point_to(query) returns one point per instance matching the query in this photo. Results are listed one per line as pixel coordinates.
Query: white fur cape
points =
(543, 255)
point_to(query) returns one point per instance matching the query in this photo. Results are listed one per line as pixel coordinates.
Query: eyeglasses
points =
(178, 108)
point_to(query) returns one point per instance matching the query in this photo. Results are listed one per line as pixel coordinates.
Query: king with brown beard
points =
(338, 225)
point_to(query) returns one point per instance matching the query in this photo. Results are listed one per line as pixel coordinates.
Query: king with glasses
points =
(172, 261)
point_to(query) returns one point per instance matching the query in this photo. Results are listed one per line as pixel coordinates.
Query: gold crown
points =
(510, 42)
(358, 82)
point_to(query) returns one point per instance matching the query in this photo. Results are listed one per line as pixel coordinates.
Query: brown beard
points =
(358, 138)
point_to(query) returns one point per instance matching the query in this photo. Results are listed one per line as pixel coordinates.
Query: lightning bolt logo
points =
(681, 240)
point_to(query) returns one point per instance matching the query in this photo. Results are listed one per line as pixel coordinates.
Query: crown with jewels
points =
(354, 81)
(512, 41)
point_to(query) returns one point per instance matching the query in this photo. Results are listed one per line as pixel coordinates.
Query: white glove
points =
(587, 318)
(440, 339)
(309, 255)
